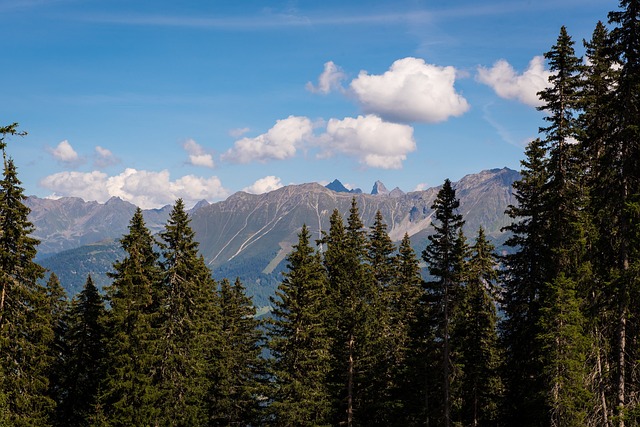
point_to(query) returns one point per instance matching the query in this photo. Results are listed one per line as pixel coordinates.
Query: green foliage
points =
(187, 325)
(83, 366)
(129, 391)
(236, 368)
(299, 340)
(25, 319)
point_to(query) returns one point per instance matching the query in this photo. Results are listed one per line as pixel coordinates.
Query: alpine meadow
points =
(527, 317)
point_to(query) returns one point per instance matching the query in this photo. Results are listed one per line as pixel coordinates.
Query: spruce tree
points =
(617, 198)
(299, 341)
(84, 364)
(443, 257)
(408, 364)
(352, 322)
(480, 384)
(187, 325)
(565, 202)
(129, 394)
(25, 319)
(383, 345)
(58, 307)
(237, 367)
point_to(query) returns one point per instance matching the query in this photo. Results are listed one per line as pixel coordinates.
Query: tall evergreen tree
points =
(237, 367)
(299, 340)
(443, 258)
(565, 370)
(129, 394)
(408, 365)
(58, 306)
(480, 385)
(617, 199)
(25, 318)
(384, 336)
(352, 296)
(84, 364)
(188, 316)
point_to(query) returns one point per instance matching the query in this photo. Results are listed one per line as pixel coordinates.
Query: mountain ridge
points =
(249, 235)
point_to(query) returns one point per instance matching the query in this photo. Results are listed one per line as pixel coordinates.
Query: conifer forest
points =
(364, 331)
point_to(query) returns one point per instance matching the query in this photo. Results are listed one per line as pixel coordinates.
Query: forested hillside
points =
(358, 337)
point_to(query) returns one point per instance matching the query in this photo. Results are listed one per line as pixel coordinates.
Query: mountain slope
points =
(249, 236)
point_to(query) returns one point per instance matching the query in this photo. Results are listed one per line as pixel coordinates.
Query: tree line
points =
(546, 335)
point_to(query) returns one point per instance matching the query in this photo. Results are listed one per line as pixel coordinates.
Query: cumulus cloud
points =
(330, 79)
(264, 185)
(145, 189)
(197, 155)
(65, 153)
(279, 143)
(421, 186)
(410, 91)
(104, 158)
(372, 141)
(508, 84)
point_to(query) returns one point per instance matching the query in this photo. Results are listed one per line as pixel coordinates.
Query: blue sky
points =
(154, 100)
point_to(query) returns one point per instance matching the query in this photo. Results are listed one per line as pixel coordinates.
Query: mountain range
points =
(248, 235)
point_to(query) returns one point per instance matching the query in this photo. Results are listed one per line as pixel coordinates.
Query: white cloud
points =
(197, 155)
(104, 158)
(330, 79)
(374, 142)
(411, 91)
(279, 143)
(421, 186)
(510, 85)
(65, 153)
(143, 188)
(264, 185)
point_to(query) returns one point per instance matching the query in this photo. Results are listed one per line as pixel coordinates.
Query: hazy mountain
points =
(249, 236)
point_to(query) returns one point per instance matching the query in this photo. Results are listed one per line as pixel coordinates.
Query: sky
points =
(151, 101)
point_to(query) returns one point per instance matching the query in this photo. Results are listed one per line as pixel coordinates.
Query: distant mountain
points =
(249, 236)
(379, 189)
(338, 187)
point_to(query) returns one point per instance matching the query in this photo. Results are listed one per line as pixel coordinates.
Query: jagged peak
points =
(379, 189)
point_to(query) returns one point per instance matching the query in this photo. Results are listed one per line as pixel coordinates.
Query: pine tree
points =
(384, 337)
(84, 364)
(480, 385)
(352, 296)
(237, 366)
(25, 319)
(299, 340)
(599, 76)
(617, 199)
(404, 305)
(187, 322)
(564, 200)
(129, 393)
(443, 257)
(58, 306)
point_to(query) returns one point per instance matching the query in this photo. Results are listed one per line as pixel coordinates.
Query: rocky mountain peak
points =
(379, 188)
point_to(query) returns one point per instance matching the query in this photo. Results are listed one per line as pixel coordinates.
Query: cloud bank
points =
(508, 84)
(143, 188)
